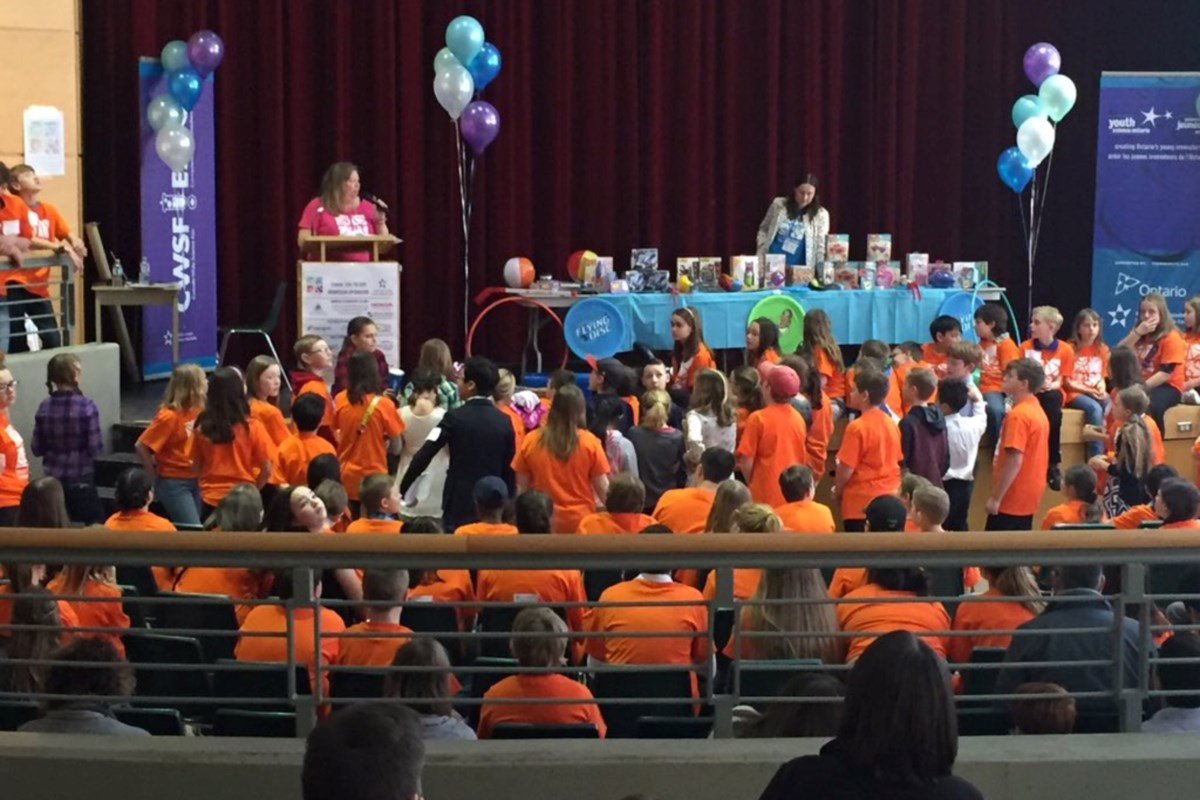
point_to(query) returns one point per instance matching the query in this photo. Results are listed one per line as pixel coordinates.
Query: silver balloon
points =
(175, 147)
(163, 112)
(453, 87)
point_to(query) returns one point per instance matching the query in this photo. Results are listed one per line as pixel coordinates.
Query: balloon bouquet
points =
(186, 65)
(1035, 117)
(462, 69)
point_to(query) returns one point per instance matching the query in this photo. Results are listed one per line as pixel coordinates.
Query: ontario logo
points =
(1130, 123)
(1128, 283)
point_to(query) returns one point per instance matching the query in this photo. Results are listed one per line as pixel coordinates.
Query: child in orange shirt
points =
(1058, 362)
(502, 396)
(746, 387)
(1083, 505)
(991, 326)
(622, 508)
(380, 635)
(1191, 364)
(379, 506)
(750, 518)
(816, 441)
(368, 425)
(1085, 388)
(943, 331)
(313, 357)
(762, 342)
(1125, 469)
(165, 447)
(1022, 452)
(802, 514)
(925, 618)
(686, 510)
(539, 641)
(690, 354)
(1161, 352)
(825, 356)
(298, 450)
(929, 507)
(263, 379)
(441, 585)
(98, 603)
(774, 439)
(134, 494)
(1136, 515)
(491, 505)
(337, 505)
(229, 447)
(1014, 582)
(868, 463)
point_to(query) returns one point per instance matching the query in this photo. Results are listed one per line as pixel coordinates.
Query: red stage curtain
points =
(624, 123)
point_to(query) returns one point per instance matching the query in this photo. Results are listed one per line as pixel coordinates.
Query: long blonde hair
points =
(76, 576)
(710, 394)
(185, 389)
(1133, 447)
(436, 355)
(1016, 582)
(656, 408)
(791, 583)
(756, 518)
(567, 415)
(731, 495)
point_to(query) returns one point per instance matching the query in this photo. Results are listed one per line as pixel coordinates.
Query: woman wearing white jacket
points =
(796, 226)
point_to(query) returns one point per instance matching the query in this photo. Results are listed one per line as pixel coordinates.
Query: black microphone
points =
(373, 200)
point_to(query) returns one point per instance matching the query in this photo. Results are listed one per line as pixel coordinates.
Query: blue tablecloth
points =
(892, 315)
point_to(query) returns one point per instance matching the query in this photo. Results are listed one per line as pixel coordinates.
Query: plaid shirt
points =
(66, 435)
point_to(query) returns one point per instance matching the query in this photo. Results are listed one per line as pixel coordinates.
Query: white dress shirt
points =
(962, 435)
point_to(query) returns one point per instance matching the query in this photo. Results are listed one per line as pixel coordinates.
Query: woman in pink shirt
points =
(339, 211)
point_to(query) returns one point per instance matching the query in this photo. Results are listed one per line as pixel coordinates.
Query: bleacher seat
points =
(435, 618)
(136, 611)
(982, 681)
(255, 724)
(156, 661)
(595, 581)
(15, 713)
(256, 685)
(140, 578)
(511, 730)
(155, 721)
(646, 686)
(674, 727)
(200, 612)
(766, 678)
(482, 681)
(983, 721)
(364, 683)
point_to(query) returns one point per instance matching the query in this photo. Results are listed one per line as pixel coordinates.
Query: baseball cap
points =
(784, 383)
(886, 514)
(490, 492)
(614, 371)
(764, 369)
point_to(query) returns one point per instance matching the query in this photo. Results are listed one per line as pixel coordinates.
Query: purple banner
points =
(179, 235)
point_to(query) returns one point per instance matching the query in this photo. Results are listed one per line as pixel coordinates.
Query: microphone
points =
(373, 200)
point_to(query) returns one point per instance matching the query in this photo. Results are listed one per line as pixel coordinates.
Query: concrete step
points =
(109, 467)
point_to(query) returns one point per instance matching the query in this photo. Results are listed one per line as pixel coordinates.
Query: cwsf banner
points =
(1147, 234)
(179, 236)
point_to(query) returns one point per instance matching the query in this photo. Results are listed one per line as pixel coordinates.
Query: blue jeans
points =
(1093, 414)
(995, 413)
(181, 498)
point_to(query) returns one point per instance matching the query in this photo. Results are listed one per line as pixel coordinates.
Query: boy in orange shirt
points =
(774, 439)
(690, 644)
(383, 592)
(1083, 505)
(1022, 453)
(539, 641)
(1058, 362)
(868, 463)
(337, 505)
(905, 357)
(944, 331)
(1135, 516)
(491, 500)
(686, 510)
(929, 508)
(623, 508)
(802, 514)
(313, 356)
(1176, 504)
(297, 450)
(379, 506)
(884, 514)
(991, 326)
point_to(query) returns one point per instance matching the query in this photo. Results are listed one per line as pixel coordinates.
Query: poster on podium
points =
(332, 293)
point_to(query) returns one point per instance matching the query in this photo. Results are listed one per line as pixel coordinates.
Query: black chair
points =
(133, 609)
(499, 619)
(674, 727)
(982, 681)
(983, 721)
(595, 581)
(946, 582)
(1147, 524)
(255, 724)
(513, 730)
(155, 721)
(140, 578)
(363, 683)
(200, 612)
(15, 713)
(482, 681)
(767, 678)
(1097, 721)
(435, 618)
(153, 655)
(263, 329)
(722, 627)
(256, 685)
(644, 685)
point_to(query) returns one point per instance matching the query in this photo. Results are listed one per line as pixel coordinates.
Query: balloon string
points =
(1037, 232)
(462, 193)
(1030, 247)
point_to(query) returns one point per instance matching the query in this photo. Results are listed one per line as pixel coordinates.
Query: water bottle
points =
(144, 271)
(118, 273)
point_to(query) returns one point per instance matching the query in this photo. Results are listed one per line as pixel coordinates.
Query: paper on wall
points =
(45, 148)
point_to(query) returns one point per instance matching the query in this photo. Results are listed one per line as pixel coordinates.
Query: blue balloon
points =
(464, 37)
(485, 66)
(1027, 106)
(185, 85)
(1014, 170)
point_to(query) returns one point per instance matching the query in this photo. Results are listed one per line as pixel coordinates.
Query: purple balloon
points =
(479, 124)
(205, 50)
(1041, 61)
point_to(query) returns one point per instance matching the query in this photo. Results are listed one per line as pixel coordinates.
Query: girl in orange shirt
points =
(690, 354)
(1083, 504)
(1191, 336)
(1085, 388)
(135, 493)
(263, 378)
(100, 605)
(798, 584)
(229, 447)
(298, 509)
(1014, 582)
(441, 585)
(762, 342)
(825, 356)
(565, 461)
(368, 426)
(165, 447)
(14, 464)
(1161, 352)
(749, 518)
(502, 396)
(1133, 453)
(747, 394)
(313, 357)
(820, 430)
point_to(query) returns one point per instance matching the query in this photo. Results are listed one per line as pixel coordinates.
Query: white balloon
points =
(175, 147)
(1035, 140)
(453, 87)
(163, 112)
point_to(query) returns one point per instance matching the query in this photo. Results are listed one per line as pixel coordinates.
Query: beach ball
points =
(581, 265)
(518, 272)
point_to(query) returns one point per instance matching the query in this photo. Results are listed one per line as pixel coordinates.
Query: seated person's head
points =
(783, 719)
(506, 385)
(321, 468)
(930, 507)
(135, 489)
(93, 668)
(1079, 576)
(991, 321)
(422, 525)
(952, 395)
(283, 584)
(558, 379)
(885, 514)
(1175, 675)
(335, 499)
(657, 569)
(901, 579)
(367, 751)
(906, 353)
(919, 386)
(1178, 500)
(874, 348)
(534, 511)
(378, 496)
(1042, 715)
(871, 386)
(491, 498)
(539, 638)
(796, 483)
(1023, 374)
(962, 359)
(716, 464)
(387, 587)
(908, 487)
(425, 684)
(241, 509)
(1155, 477)
(944, 331)
(479, 377)
(756, 518)
(307, 412)
(626, 495)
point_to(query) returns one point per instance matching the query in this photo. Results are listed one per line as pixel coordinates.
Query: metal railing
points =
(61, 275)
(721, 682)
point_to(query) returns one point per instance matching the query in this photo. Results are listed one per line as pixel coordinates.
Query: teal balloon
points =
(175, 56)
(444, 60)
(485, 66)
(464, 37)
(185, 86)
(1014, 170)
(1027, 106)
(1058, 95)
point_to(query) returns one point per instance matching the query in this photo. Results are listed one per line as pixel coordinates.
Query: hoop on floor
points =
(525, 301)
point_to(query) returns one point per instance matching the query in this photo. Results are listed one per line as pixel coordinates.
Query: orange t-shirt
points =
(1026, 430)
(368, 525)
(996, 355)
(221, 466)
(816, 443)
(871, 447)
(1091, 367)
(1170, 349)
(635, 408)
(925, 618)
(684, 375)
(1191, 364)
(103, 612)
(273, 619)
(773, 441)
(319, 387)
(933, 360)
(51, 226)
(486, 529)
(518, 424)
(835, 379)
(984, 616)
(615, 620)
(14, 464)
(447, 586)
(806, 516)
(546, 586)
(362, 447)
(1185, 524)
(845, 580)
(745, 582)
(272, 421)
(295, 454)
(1057, 364)
(684, 510)
(1134, 517)
(14, 221)
(374, 651)
(1064, 513)
(559, 687)
(232, 582)
(140, 520)
(569, 482)
(67, 618)
(169, 437)
(605, 522)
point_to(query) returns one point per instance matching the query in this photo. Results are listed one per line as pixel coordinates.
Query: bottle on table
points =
(143, 276)
(118, 273)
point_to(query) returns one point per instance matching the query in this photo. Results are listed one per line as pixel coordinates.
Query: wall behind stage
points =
(627, 123)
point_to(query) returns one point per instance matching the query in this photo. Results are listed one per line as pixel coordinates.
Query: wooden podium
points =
(373, 245)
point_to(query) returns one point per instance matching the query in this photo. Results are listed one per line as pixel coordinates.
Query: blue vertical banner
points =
(179, 235)
(1147, 232)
